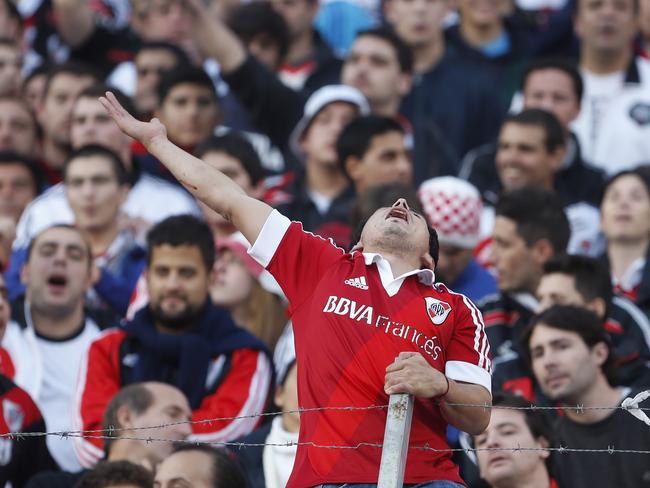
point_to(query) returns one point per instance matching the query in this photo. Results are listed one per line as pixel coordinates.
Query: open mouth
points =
(398, 213)
(57, 281)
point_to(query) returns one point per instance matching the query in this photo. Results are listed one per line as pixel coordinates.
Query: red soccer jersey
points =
(351, 320)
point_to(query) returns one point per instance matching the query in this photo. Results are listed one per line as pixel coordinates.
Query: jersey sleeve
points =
(468, 353)
(99, 380)
(240, 397)
(297, 259)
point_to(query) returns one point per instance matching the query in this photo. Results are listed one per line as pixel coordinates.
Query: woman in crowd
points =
(625, 222)
(247, 291)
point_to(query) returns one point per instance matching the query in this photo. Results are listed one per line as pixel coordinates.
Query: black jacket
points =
(577, 182)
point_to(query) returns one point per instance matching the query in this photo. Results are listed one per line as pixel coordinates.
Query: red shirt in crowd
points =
(351, 320)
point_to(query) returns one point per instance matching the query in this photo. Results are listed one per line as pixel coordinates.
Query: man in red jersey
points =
(367, 324)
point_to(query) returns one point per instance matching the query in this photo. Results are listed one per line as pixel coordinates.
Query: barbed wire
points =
(240, 445)
(111, 430)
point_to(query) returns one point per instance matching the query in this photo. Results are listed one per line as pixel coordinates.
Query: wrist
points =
(442, 395)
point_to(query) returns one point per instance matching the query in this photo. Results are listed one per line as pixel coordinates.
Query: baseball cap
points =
(318, 101)
(453, 207)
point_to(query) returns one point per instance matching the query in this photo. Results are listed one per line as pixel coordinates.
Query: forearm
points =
(217, 41)
(75, 20)
(472, 420)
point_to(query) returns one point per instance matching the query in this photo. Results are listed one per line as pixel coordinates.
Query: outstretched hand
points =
(145, 132)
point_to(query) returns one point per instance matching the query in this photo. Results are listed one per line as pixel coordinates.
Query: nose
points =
(401, 203)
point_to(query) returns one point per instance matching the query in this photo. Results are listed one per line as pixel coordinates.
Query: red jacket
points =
(238, 384)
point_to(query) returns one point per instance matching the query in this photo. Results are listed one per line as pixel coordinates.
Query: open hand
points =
(145, 132)
(411, 373)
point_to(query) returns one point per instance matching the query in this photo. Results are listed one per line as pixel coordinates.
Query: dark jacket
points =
(508, 67)
(577, 182)
(299, 206)
(328, 67)
(456, 95)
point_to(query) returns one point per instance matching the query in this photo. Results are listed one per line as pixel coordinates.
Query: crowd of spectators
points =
(520, 129)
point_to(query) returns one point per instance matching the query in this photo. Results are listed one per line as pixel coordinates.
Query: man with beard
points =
(367, 324)
(181, 339)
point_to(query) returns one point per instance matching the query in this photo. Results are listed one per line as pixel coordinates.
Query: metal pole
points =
(396, 441)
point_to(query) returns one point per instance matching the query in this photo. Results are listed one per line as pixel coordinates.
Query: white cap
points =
(318, 101)
(453, 208)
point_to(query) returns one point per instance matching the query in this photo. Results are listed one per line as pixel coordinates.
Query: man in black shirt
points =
(569, 352)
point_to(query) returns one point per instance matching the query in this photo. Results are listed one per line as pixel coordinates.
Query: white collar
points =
(426, 276)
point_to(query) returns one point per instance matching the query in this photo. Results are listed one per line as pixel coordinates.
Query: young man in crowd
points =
(611, 124)
(554, 85)
(149, 199)
(11, 63)
(455, 94)
(531, 148)
(18, 127)
(179, 338)
(63, 85)
(23, 456)
(530, 227)
(52, 330)
(569, 352)
(135, 406)
(234, 156)
(514, 426)
(586, 282)
(395, 241)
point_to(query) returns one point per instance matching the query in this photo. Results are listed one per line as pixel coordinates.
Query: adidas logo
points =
(357, 282)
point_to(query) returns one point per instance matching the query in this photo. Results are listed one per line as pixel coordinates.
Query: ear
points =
(124, 193)
(543, 443)
(404, 84)
(124, 417)
(542, 251)
(597, 305)
(278, 397)
(24, 273)
(354, 168)
(600, 352)
(557, 157)
(427, 262)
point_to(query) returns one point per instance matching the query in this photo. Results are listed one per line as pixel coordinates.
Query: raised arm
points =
(75, 20)
(206, 183)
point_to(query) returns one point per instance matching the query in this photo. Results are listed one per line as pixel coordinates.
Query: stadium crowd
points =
(519, 129)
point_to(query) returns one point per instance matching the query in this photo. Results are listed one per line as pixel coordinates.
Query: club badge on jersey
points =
(437, 310)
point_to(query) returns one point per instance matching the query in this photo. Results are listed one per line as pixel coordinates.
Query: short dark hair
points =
(32, 242)
(591, 276)
(136, 397)
(8, 158)
(100, 89)
(251, 19)
(94, 150)
(73, 68)
(239, 148)
(402, 51)
(536, 421)
(554, 136)
(184, 74)
(568, 67)
(181, 57)
(116, 473)
(572, 318)
(225, 469)
(641, 172)
(356, 137)
(182, 230)
(538, 214)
